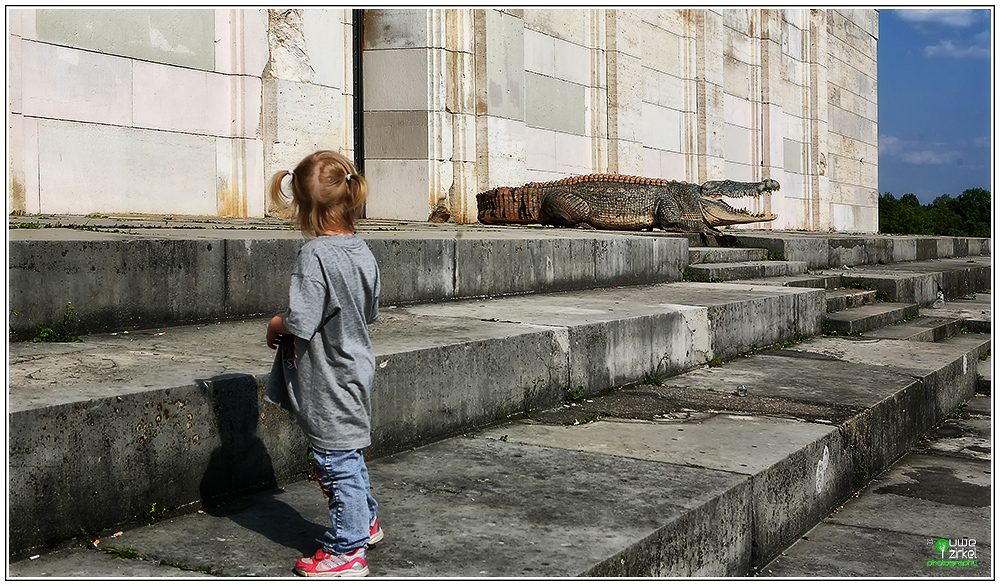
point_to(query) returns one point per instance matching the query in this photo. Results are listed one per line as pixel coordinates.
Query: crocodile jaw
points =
(718, 213)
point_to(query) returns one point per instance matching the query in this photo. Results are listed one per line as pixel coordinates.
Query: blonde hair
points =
(327, 193)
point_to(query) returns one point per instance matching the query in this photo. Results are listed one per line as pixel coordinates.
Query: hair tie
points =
(348, 178)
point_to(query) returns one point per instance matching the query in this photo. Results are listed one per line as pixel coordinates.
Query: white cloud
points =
(928, 157)
(950, 27)
(936, 16)
(949, 49)
(888, 144)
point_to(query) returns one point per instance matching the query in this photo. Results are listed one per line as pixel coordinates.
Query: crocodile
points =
(624, 202)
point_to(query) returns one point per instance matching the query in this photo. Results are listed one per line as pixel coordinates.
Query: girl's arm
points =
(275, 328)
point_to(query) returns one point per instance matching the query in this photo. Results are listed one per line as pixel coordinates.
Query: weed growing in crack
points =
(651, 379)
(62, 332)
(960, 412)
(185, 567)
(122, 553)
(154, 513)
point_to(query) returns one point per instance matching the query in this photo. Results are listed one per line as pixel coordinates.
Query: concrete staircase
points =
(548, 402)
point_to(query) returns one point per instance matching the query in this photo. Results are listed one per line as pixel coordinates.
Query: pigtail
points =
(357, 187)
(277, 195)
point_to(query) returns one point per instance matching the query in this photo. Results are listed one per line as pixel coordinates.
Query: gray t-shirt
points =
(333, 297)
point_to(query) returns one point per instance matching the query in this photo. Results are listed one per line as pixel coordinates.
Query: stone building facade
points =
(190, 111)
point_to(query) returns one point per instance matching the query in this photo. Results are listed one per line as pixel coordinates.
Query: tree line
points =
(965, 215)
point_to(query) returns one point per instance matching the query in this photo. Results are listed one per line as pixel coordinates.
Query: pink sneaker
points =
(376, 534)
(330, 565)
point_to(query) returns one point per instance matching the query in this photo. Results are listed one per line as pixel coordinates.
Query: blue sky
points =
(935, 103)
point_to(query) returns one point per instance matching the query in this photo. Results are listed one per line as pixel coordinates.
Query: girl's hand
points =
(275, 328)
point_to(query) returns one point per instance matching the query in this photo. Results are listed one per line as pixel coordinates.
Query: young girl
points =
(333, 297)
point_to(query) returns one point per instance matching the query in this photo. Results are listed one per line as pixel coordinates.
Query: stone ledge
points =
(147, 416)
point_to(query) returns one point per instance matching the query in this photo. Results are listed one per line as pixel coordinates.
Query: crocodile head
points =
(718, 213)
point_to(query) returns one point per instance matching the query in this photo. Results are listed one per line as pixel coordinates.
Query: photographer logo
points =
(954, 552)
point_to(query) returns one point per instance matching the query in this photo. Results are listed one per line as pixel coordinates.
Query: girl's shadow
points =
(239, 482)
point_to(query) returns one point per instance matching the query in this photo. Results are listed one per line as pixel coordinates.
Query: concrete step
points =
(840, 299)
(824, 250)
(807, 280)
(854, 320)
(705, 254)
(152, 276)
(135, 273)
(907, 510)
(737, 271)
(691, 478)
(919, 282)
(921, 328)
(984, 372)
(158, 410)
(975, 312)
(980, 343)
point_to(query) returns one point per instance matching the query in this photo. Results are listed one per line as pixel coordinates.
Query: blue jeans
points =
(343, 477)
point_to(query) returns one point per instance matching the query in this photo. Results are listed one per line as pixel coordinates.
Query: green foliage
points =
(123, 553)
(960, 412)
(182, 566)
(62, 332)
(154, 513)
(965, 215)
(651, 379)
(575, 396)
(87, 536)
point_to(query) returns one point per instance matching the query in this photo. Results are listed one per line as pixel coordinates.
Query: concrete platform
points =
(923, 328)
(940, 490)
(141, 276)
(840, 299)
(975, 312)
(825, 250)
(869, 317)
(689, 479)
(705, 254)
(484, 335)
(132, 272)
(735, 271)
(919, 282)
(153, 406)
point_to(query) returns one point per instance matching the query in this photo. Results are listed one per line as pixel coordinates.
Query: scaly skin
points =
(623, 202)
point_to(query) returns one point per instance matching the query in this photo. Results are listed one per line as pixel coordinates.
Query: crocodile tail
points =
(509, 205)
